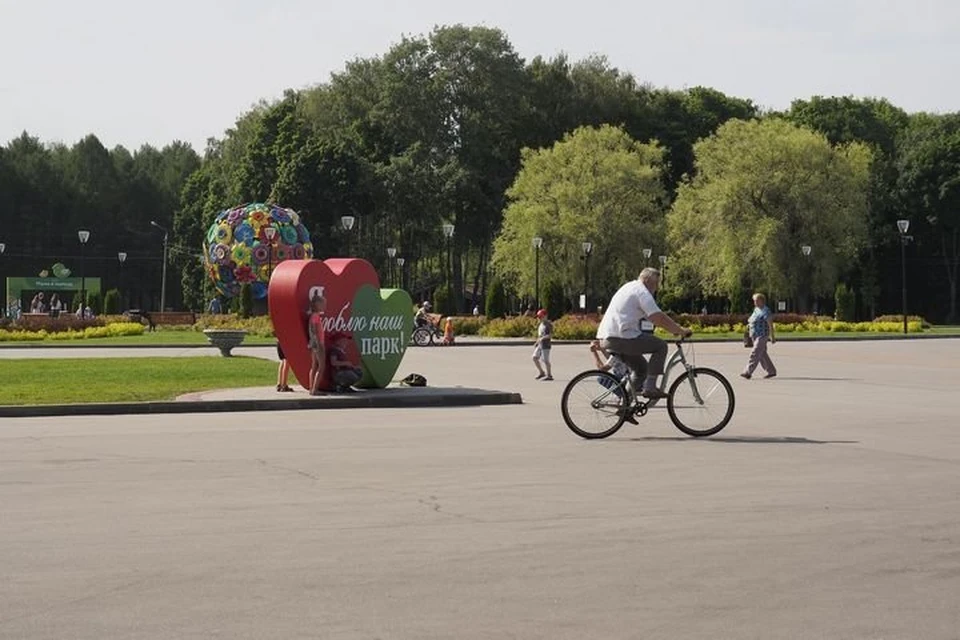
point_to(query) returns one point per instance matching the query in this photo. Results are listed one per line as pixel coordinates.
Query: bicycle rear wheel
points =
(701, 402)
(593, 404)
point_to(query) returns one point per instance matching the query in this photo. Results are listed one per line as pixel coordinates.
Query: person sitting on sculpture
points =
(344, 373)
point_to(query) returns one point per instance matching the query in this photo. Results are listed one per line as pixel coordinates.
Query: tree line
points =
(453, 127)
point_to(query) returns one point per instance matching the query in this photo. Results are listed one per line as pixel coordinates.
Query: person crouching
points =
(344, 373)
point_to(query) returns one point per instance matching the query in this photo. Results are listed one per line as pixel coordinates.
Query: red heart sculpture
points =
(289, 299)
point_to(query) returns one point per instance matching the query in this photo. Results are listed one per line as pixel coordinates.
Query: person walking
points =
(541, 349)
(761, 331)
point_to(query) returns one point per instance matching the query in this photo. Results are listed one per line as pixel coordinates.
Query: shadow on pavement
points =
(742, 439)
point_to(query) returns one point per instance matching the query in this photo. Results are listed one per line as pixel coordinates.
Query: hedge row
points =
(107, 331)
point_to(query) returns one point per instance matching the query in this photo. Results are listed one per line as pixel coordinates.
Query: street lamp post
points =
(347, 223)
(537, 243)
(400, 262)
(805, 249)
(391, 254)
(163, 271)
(587, 248)
(83, 235)
(121, 257)
(448, 267)
(270, 232)
(663, 270)
(646, 256)
(903, 226)
(3, 310)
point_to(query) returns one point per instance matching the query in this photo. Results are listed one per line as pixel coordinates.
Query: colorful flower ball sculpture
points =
(237, 249)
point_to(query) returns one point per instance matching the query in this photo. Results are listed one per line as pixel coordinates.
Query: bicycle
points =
(595, 404)
(426, 334)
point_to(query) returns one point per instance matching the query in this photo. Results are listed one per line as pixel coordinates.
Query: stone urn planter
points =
(225, 339)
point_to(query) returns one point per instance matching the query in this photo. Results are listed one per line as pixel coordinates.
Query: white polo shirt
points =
(630, 305)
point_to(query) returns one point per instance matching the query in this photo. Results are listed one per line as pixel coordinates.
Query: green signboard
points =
(16, 286)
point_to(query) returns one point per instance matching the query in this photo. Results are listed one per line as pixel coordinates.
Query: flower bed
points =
(107, 331)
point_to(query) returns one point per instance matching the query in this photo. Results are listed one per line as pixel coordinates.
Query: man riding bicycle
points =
(620, 332)
(421, 319)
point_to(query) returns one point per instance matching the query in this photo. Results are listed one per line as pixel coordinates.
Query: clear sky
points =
(154, 71)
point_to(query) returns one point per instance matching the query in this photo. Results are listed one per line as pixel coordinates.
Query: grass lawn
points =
(147, 339)
(42, 381)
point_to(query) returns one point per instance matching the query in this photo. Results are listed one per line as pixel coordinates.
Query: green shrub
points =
(468, 325)
(898, 318)
(515, 327)
(111, 302)
(95, 302)
(108, 331)
(246, 300)
(441, 301)
(846, 303)
(572, 327)
(260, 326)
(556, 302)
(496, 300)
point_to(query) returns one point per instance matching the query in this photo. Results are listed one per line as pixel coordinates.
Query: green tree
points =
(762, 189)
(929, 164)
(597, 185)
(496, 304)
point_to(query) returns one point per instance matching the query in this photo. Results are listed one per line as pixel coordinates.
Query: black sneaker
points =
(541, 376)
(627, 413)
(654, 394)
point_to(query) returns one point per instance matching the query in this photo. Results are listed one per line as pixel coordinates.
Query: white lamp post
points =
(587, 248)
(391, 254)
(646, 255)
(903, 226)
(537, 243)
(347, 222)
(121, 257)
(83, 235)
(448, 267)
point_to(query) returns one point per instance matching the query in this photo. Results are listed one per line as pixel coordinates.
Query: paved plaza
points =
(829, 508)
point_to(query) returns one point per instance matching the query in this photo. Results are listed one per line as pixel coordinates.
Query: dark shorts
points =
(280, 352)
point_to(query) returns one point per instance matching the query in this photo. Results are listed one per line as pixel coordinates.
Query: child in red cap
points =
(541, 349)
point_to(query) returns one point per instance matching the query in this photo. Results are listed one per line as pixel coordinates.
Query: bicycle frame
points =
(678, 358)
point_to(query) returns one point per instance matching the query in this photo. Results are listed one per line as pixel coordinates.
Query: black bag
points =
(414, 380)
(747, 340)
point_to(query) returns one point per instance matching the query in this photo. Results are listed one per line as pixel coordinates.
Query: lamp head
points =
(806, 249)
(903, 226)
(587, 247)
(347, 222)
(448, 230)
(83, 235)
(122, 256)
(537, 242)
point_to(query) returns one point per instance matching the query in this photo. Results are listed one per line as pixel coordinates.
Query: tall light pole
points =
(121, 257)
(391, 254)
(587, 247)
(163, 275)
(347, 222)
(903, 226)
(537, 243)
(663, 270)
(400, 262)
(805, 249)
(646, 256)
(448, 233)
(3, 310)
(270, 232)
(83, 235)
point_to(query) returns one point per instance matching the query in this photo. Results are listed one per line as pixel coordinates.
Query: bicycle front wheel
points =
(593, 404)
(700, 402)
(421, 337)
